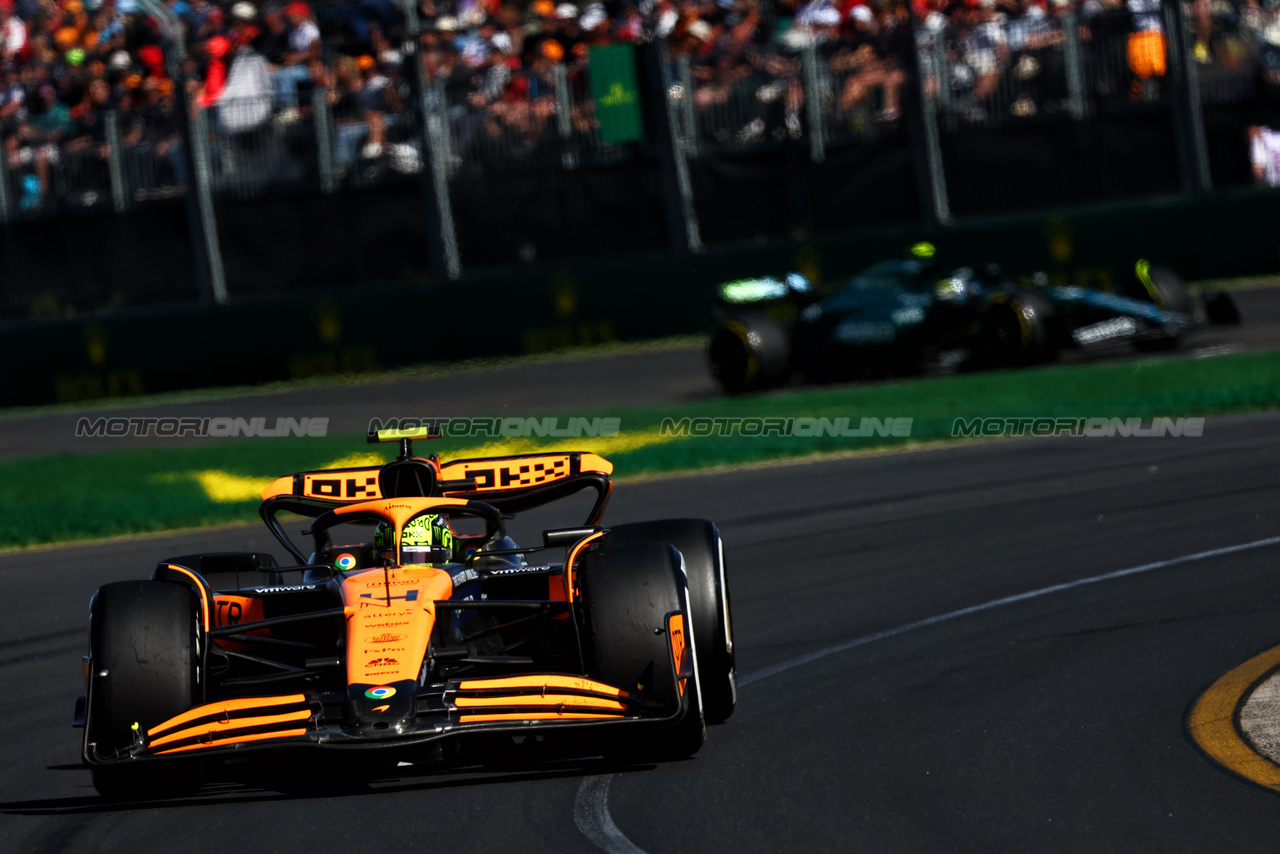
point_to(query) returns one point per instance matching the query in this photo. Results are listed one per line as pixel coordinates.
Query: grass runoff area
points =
(76, 497)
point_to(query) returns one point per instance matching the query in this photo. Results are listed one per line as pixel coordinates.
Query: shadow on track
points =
(237, 792)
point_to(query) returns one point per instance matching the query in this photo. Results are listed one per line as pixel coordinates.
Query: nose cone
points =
(375, 711)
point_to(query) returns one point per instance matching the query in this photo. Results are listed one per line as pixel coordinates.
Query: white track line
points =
(591, 807)
(591, 815)
(799, 661)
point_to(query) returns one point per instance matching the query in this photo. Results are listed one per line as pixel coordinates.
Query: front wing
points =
(516, 704)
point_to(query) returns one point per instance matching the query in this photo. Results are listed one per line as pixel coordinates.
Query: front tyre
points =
(1017, 330)
(749, 352)
(627, 593)
(699, 543)
(142, 647)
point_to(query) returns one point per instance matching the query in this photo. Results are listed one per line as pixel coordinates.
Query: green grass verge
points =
(74, 497)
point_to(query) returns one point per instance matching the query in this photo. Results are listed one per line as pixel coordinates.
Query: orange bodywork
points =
(195, 581)
(532, 716)
(513, 473)
(235, 739)
(360, 484)
(390, 614)
(543, 681)
(537, 700)
(279, 486)
(224, 708)
(568, 578)
(226, 726)
(680, 656)
(230, 609)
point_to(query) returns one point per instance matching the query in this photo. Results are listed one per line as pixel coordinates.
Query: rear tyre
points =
(142, 634)
(699, 543)
(627, 593)
(1220, 309)
(750, 352)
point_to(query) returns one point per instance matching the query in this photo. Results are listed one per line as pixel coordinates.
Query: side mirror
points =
(566, 536)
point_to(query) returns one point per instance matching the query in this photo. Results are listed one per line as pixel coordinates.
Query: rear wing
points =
(518, 483)
(512, 484)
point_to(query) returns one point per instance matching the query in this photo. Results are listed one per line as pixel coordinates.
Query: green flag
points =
(617, 97)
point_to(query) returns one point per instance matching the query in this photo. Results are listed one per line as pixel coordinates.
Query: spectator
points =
(13, 33)
(1264, 22)
(302, 47)
(1264, 152)
(246, 99)
(38, 142)
(1146, 49)
(273, 41)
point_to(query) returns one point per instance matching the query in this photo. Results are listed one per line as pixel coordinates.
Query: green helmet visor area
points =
(426, 538)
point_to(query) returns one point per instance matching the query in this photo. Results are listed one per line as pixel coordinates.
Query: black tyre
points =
(142, 635)
(749, 352)
(1220, 309)
(699, 543)
(627, 593)
(1016, 330)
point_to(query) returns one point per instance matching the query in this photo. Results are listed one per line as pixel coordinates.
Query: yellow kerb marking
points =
(1213, 722)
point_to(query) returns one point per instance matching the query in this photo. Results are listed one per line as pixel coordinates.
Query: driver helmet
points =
(384, 542)
(427, 539)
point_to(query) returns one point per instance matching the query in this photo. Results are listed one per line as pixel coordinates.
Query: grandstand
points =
(232, 146)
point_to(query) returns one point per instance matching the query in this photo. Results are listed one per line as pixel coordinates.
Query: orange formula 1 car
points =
(411, 627)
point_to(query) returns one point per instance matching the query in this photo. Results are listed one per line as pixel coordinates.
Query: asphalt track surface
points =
(1055, 722)
(576, 384)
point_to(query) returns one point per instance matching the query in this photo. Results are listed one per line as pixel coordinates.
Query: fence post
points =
(195, 153)
(441, 116)
(922, 124)
(6, 202)
(119, 193)
(940, 70)
(677, 188)
(446, 261)
(1075, 71)
(324, 139)
(203, 179)
(564, 124)
(813, 102)
(688, 114)
(1193, 154)
(438, 144)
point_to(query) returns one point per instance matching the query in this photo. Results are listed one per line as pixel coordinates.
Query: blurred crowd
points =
(77, 74)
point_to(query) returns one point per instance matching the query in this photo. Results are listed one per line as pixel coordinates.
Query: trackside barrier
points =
(254, 342)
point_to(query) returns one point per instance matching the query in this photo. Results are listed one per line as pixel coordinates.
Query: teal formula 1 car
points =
(909, 315)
